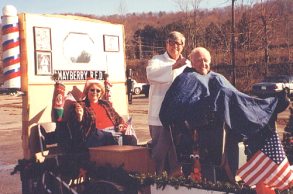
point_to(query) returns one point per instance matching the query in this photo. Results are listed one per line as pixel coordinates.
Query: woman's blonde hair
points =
(90, 83)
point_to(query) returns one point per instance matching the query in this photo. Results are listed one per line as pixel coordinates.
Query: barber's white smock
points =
(160, 76)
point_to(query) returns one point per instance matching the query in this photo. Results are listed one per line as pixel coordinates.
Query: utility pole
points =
(139, 47)
(264, 20)
(233, 44)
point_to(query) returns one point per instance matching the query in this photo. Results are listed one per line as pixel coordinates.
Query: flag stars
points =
(274, 150)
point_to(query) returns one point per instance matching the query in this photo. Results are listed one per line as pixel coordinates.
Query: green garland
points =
(162, 181)
(29, 169)
(32, 170)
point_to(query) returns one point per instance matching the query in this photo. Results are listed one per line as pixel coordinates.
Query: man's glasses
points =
(95, 90)
(172, 43)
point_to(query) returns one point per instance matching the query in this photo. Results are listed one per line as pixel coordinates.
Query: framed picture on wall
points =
(42, 38)
(111, 43)
(43, 63)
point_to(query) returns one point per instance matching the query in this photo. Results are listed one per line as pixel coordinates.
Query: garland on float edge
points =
(29, 169)
(162, 181)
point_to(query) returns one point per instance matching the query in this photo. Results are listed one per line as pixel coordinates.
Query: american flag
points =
(129, 129)
(269, 165)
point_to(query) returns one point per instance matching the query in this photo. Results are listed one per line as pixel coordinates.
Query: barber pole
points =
(10, 47)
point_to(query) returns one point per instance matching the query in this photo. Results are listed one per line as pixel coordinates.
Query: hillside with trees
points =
(256, 42)
(263, 41)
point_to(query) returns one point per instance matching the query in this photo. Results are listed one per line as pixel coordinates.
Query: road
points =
(10, 143)
(10, 135)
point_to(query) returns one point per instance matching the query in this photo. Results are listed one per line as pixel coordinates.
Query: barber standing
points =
(161, 71)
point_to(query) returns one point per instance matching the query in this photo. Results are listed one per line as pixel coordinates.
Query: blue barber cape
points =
(192, 96)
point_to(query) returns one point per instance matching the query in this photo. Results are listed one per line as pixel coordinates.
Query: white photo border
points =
(111, 43)
(42, 38)
(43, 60)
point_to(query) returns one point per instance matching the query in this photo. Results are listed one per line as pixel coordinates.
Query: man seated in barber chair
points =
(208, 116)
(206, 139)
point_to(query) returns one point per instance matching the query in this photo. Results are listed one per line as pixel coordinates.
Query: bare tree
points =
(122, 8)
(267, 18)
(288, 27)
(245, 31)
(191, 9)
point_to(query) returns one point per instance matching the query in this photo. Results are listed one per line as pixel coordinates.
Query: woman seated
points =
(96, 120)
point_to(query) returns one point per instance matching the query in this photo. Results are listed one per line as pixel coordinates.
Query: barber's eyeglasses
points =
(172, 43)
(95, 90)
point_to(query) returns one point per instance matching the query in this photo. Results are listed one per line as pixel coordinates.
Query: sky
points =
(104, 7)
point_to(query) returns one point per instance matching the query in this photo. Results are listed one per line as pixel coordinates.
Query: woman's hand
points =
(79, 112)
(122, 128)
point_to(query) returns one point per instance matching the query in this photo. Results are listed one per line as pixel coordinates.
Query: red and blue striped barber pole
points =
(10, 47)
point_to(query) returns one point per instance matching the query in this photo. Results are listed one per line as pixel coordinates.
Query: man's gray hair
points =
(176, 36)
(199, 50)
